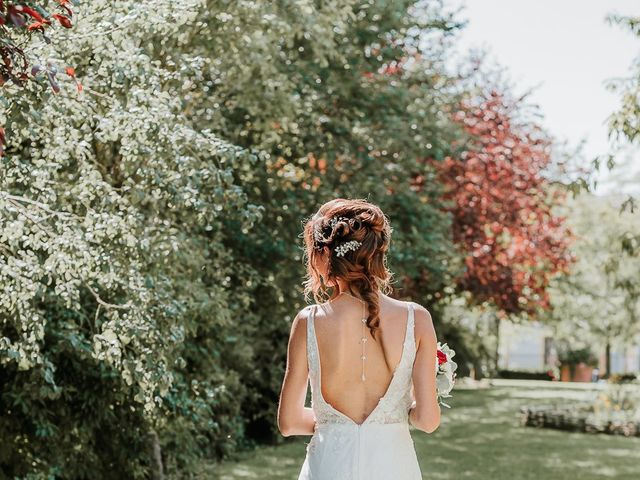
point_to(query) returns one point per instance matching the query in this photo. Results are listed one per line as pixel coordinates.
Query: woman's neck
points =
(343, 289)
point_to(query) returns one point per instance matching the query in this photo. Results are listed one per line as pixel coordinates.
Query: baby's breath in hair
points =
(346, 247)
(334, 221)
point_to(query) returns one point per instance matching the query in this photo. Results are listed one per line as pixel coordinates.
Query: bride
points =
(370, 359)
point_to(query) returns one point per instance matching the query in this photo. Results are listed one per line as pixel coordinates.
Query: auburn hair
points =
(364, 269)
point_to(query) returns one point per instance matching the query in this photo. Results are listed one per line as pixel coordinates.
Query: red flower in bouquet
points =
(442, 357)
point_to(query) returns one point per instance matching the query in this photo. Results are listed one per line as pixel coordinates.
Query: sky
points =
(564, 51)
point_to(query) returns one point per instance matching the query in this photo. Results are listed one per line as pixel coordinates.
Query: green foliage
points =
(112, 257)
(336, 131)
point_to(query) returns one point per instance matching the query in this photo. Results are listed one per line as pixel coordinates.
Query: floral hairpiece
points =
(346, 247)
(317, 233)
(334, 221)
(343, 248)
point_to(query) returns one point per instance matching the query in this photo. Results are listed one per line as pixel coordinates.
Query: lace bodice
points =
(393, 406)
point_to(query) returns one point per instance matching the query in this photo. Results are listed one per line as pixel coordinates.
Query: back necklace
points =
(363, 339)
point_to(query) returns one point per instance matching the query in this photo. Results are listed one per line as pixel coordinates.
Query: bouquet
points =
(445, 373)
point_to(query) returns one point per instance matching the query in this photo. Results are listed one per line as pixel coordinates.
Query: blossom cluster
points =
(334, 221)
(345, 247)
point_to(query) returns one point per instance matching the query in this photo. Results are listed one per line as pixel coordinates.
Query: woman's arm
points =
(293, 417)
(425, 411)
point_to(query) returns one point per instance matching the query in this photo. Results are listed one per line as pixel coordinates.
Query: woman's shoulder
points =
(421, 313)
(303, 314)
(423, 322)
(299, 323)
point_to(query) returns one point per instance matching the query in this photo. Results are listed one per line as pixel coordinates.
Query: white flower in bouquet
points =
(445, 372)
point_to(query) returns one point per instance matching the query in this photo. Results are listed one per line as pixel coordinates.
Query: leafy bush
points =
(526, 375)
(582, 355)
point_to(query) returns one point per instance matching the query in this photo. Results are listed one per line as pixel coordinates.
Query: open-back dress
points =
(381, 447)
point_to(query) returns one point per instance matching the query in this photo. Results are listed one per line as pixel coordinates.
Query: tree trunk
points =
(607, 360)
(157, 470)
(496, 366)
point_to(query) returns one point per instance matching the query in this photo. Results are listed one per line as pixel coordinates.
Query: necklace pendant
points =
(363, 378)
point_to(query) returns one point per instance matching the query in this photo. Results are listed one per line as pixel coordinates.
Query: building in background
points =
(530, 347)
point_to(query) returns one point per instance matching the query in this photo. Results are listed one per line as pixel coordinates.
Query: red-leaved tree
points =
(22, 18)
(501, 204)
(18, 20)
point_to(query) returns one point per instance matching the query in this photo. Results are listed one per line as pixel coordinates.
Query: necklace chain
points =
(352, 296)
(363, 339)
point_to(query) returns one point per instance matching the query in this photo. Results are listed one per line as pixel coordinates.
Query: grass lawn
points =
(480, 438)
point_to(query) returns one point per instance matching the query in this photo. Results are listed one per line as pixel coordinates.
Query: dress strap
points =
(312, 346)
(411, 326)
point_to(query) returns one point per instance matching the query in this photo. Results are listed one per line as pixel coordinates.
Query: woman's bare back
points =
(338, 329)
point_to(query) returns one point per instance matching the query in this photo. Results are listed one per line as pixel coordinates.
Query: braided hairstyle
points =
(363, 268)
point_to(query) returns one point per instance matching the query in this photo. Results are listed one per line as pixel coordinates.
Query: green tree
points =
(354, 123)
(596, 303)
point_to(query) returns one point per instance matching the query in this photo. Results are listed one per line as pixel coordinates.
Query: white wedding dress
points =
(381, 447)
